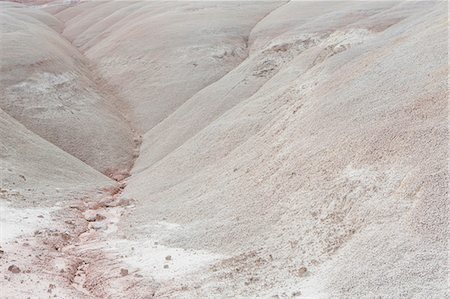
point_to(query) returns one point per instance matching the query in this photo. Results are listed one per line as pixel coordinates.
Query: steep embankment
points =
(47, 85)
(34, 169)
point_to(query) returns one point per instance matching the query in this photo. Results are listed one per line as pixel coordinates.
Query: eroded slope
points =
(161, 53)
(289, 149)
(47, 85)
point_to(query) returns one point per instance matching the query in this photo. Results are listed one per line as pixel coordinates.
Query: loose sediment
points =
(235, 150)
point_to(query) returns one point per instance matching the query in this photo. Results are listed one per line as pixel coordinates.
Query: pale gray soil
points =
(180, 149)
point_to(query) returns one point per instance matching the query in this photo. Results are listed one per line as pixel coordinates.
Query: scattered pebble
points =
(14, 269)
(124, 272)
(98, 225)
(99, 217)
(302, 271)
(168, 258)
(90, 216)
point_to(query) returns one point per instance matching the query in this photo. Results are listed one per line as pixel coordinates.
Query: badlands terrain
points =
(178, 149)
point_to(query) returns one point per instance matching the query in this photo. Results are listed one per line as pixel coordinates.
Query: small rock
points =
(124, 272)
(112, 203)
(40, 216)
(296, 294)
(98, 225)
(166, 267)
(119, 176)
(302, 271)
(168, 258)
(99, 217)
(65, 236)
(90, 216)
(79, 205)
(14, 269)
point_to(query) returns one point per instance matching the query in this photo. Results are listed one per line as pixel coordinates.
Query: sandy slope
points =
(196, 43)
(289, 149)
(47, 85)
(29, 161)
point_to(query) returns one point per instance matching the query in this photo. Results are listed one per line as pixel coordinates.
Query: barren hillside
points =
(182, 149)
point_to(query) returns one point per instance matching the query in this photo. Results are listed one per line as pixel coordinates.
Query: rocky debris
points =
(124, 272)
(14, 269)
(92, 216)
(168, 258)
(120, 176)
(113, 190)
(107, 200)
(51, 287)
(94, 205)
(118, 203)
(166, 266)
(79, 205)
(111, 202)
